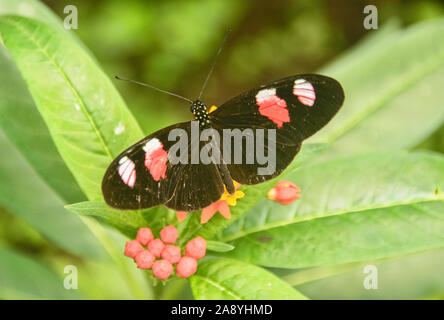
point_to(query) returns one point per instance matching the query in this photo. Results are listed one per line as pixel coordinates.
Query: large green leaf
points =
(23, 278)
(114, 244)
(225, 279)
(416, 276)
(253, 194)
(21, 122)
(23, 193)
(32, 9)
(392, 85)
(86, 117)
(371, 206)
(20, 119)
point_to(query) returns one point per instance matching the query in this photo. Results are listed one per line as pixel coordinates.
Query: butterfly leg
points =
(226, 178)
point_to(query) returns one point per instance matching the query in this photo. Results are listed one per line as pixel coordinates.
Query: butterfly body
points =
(199, 110)
(283, 113)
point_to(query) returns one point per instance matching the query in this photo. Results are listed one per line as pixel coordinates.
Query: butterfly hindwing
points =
(296, 107)
(142, 176)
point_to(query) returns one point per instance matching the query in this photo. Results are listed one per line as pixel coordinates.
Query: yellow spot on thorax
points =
(212, 108)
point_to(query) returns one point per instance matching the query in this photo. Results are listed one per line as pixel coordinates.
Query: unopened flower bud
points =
(144, 235)
(132, 248)
(285, 192)
(196, 248)
(186, 267)
(144, 259)
(169, 234)
(162, 269)
(171, 253)
(156, 247)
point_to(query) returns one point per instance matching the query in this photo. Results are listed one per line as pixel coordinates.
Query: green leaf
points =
(218, 246)
(25, 195)
(370, 207)
(126, 221)
(411, 277)
(20, 120)
(31, 9)
(114, 244)
(225, 279)
(23, 278)
(21, 123)
(37, 10)
(253, 194)
(86, 117)
(393, 100)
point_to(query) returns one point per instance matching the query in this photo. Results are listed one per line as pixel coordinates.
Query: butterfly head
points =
(199, 109)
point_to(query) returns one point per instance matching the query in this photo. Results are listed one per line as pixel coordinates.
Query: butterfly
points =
(294, 108)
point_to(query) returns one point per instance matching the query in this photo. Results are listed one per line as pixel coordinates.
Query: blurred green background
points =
(171, 44)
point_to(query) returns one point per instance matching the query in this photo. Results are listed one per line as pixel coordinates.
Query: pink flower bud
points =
(132, 248)
(285, 192)
(162, 269)
(144, 259)
(196, 248)
(171, 253)
(144, 235)
(156, 247)
(169, 234)
(186, 267)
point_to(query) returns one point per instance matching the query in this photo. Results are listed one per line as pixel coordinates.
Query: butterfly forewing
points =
(142, 177)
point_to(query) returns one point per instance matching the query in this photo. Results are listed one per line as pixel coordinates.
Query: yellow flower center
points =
(231, 199)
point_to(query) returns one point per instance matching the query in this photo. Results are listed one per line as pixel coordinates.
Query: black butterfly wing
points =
(296, 107)
(137, 181)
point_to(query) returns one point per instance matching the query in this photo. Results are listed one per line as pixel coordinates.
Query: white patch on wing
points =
(305, 92)
(265, 94)
(127, 171)
(152, 145)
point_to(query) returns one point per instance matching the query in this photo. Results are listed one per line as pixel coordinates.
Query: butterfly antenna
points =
(153, 87)
(214, 63)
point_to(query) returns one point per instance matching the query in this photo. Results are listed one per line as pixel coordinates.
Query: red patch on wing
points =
(272, 107)
(156, 159)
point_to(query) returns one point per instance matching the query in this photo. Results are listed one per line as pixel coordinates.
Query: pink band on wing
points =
(127, 171)
(305, 92)
(272, 107)
(156, 159)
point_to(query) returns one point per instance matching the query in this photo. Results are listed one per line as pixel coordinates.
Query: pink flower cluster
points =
(167, 254)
